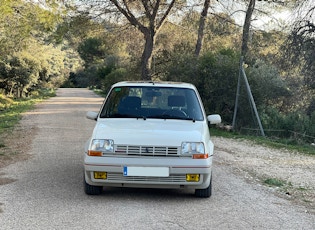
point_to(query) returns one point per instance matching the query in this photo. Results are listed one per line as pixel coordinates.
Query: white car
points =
(150, 135)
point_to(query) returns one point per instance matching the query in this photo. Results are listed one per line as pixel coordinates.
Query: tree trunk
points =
(201, 28)
(246, 27)
(146, 58)
(12, 88)
(156, 20)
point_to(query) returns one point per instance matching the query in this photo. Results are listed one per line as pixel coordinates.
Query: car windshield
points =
(152, 102)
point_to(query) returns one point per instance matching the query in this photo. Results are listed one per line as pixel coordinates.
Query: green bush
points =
(116, 75)
(215, 76)
(5, 102)
(295, 125)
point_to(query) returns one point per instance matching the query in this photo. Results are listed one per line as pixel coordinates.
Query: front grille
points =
(118, 177)
(146, 150)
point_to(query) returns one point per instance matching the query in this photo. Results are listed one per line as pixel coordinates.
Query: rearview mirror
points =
(91, 115)
(214, 119)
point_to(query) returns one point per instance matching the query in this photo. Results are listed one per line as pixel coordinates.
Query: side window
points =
(193, 106)
(112, 101)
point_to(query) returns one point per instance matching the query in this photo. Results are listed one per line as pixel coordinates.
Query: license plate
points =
(146, 171)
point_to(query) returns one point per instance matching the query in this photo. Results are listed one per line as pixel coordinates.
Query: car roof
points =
(155, 83)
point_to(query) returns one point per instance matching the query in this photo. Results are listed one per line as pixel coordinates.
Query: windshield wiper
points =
(141, 117)
(164, 116)
(190, 119)
(134, 116)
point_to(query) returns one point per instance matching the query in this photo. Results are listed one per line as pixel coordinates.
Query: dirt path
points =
(44, 180)
(256, 163)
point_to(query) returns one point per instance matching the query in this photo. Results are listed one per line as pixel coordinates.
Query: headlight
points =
(102, 145)
(189, 148)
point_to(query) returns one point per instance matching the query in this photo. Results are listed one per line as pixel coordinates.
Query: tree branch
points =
(129, 15)
(165, 15)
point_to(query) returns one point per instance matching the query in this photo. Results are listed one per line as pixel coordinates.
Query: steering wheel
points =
(176, 113)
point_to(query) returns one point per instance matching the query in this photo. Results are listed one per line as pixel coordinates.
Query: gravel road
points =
(47, 189)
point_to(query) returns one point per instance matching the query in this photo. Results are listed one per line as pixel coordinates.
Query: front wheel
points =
(92, 189)
(204, 193)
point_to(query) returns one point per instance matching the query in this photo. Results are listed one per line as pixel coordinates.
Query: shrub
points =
(5, 102)
(294, 125)
(215, 76)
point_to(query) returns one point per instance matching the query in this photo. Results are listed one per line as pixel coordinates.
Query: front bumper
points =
(178, 168)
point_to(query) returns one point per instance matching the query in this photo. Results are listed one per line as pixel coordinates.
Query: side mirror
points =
(214, 119)
(92, 115)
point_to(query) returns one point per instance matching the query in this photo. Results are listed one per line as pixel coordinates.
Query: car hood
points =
(150, 131)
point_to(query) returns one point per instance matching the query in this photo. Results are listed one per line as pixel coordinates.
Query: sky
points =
(265, 17)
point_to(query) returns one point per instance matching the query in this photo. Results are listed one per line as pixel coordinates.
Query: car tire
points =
(92, 189)
(204, 193)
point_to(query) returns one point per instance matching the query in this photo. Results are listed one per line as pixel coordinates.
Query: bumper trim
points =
(184, 166)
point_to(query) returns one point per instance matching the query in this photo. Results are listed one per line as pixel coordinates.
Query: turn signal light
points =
(95, 153)
(200, 156)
